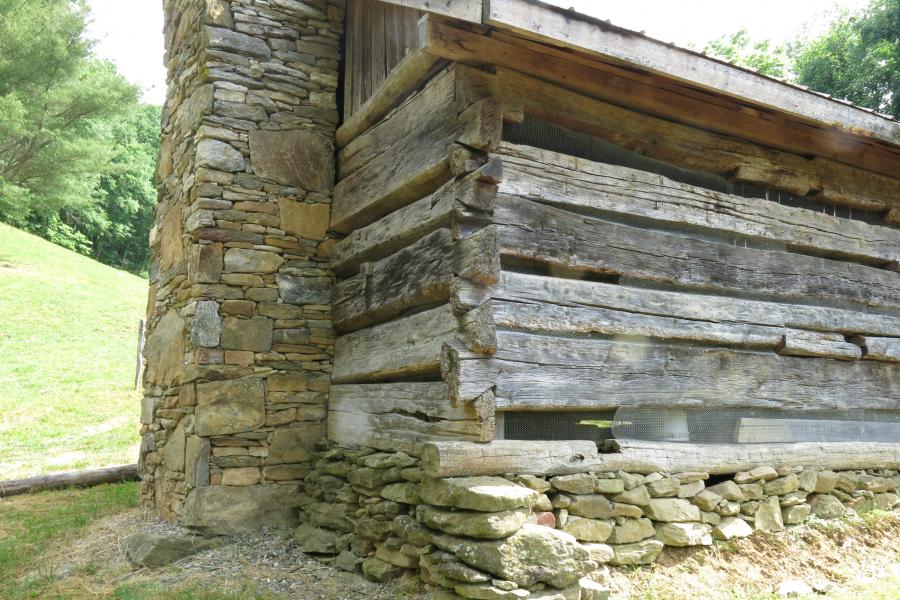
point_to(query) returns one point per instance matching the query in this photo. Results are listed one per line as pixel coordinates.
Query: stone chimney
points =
(239, 345)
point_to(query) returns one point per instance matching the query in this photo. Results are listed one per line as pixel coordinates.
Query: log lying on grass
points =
(87, 477)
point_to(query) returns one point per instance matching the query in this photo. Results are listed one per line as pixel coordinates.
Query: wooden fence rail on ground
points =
(87, 477)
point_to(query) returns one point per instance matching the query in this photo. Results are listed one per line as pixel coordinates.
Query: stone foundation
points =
(523, 536)
(240, 344)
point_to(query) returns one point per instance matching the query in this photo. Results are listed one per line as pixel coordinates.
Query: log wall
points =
(478, 275)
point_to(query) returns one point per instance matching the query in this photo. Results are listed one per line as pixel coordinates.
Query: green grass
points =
(68, 333)
(31, 524)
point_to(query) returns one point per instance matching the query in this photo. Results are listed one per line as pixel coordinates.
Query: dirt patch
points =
(853, 555)
(847, 556)
(267, 565)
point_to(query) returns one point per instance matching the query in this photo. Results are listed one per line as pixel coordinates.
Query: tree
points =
(760, 55)
(54, 100)
(858, 58)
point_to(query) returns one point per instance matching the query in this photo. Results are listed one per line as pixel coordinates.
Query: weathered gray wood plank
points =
(815, 343)
(570, 182)
(417, 275)
(557, 238)
(715, 311)
(553, 373)
(879, 348)
(443, 208)
(454, 459)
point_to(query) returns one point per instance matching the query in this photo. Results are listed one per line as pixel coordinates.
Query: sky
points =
(129, 32)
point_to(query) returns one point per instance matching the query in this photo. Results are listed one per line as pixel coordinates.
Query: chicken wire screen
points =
(706, 425)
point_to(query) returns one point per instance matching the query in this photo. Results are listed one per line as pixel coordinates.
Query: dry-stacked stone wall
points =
(239, 345)
(522, 536)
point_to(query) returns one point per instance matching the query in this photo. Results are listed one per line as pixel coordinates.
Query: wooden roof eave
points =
(551, 25)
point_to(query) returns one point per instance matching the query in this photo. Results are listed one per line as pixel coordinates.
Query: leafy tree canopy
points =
(858, 58)
(76, 149)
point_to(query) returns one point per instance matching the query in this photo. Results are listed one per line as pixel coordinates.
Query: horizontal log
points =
(455, 459)
(574, 183)
(86, 477)
(547, 296)
(879, 348)
(650, 93)
(409, 347)
(417, 275)
(558, 238)
(373, 414)
(443, 208)
(693, 148)
(403, 167)
(554, 373)
(813, 343)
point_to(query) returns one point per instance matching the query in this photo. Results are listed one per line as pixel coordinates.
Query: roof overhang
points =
(568, 29)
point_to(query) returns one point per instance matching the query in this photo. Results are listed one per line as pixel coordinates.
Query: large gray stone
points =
(534, 554)
(592, 506)
(640, 553)
(196, 461)
(782, 485)
(577, 483)
(632, 530)
(253, 334)
(481, 525)
(173, 452)
(294, 444)
(164, 350)
(295, 289)
(768, 516)
(225, 407)
(639, 496)
(487, 494)
(731, 527)
(684, 534)
(589, 530)
(672, 509)
(825, 481)
(219, 156)
(826, 506)
(314, 540)
(222, 509)
(241, 260)
(234, 41)
(728, 490)
(301, 158)
(153, 550)
(206, 326)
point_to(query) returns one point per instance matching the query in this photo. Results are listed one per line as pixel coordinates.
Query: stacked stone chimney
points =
(239, 346)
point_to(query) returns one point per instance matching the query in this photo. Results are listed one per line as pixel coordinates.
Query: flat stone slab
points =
(154, 550)
(487, 494)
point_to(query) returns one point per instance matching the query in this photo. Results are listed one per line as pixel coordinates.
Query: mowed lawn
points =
(68, 338)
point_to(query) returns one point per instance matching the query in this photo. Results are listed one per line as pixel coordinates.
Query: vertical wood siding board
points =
(555, 237)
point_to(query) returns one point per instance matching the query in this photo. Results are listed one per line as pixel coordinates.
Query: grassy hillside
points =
(68, 335)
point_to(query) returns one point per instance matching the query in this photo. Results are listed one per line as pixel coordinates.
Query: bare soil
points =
(855, 558)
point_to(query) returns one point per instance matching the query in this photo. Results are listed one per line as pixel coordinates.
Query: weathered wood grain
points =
(417, 275)
(554, 373)
(410, 346)
(558, 27)
(464, 10)
(692, 148)
(879, 348)
(454, 459)
(652, 93)
(574, 183)
(443, 208)
(715, 311)
(393, 416)
(557, 238)
(816, 343)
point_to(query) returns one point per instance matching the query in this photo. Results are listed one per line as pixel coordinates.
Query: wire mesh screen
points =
(705, 425)
(754, 425)
(540, 134)
(548, 426)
